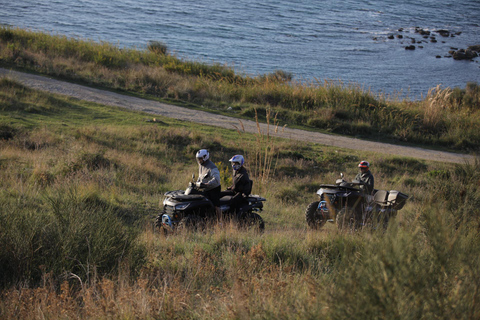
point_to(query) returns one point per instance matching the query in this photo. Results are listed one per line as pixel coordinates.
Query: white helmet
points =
(203, 154)
(238, 158)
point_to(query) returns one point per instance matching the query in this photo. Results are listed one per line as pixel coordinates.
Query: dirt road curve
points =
(157, 108)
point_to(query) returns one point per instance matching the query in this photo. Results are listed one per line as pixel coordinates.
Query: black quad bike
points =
(350, 207)
(190, 209)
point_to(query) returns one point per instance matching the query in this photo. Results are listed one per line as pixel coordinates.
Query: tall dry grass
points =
(322, 104)
(262, 153)
(436, 103)
(78, 197)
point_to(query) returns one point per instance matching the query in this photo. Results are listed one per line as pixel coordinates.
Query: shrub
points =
(157, 47)
(66, 232)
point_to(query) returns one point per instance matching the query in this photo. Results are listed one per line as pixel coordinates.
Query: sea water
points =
(314, 40)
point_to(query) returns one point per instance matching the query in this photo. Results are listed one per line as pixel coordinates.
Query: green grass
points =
(446, 118)
(80, 185)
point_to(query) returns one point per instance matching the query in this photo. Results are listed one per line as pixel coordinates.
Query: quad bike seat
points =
(189, 197)
(226, 199)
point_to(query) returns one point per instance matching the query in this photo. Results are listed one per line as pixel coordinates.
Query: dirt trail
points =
(158, 108)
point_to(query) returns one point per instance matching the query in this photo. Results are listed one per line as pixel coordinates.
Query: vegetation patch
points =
(444, 118)
(78, 203)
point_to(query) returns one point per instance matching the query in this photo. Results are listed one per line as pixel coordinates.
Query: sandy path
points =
(158, 108)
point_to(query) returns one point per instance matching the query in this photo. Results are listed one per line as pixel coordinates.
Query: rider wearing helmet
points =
(242, 185)
(208, 177)
(366, 177)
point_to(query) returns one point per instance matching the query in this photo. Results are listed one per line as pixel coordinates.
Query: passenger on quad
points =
(242, 185)
(208, 178)
(365, 176)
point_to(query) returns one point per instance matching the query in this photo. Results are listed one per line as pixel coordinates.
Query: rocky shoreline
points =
(426, 36)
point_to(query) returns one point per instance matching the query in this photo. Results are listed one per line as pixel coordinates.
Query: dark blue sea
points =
(314, 40)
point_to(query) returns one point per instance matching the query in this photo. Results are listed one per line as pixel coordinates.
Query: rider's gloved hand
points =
(200, 185)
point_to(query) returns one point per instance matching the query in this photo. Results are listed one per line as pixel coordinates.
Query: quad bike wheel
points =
(314, 217)
(254, 221)
(380, 221)
(190, 223)
(158, 221)
(345, 219)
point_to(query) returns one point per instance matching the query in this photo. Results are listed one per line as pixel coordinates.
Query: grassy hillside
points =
(80, 185)
(445, 118)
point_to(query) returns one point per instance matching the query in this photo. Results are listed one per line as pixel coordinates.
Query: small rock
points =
(410, 48)
(463, 54)
(443, 32)
(475, 48)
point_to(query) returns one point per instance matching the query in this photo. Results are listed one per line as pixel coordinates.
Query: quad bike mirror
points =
(339, 181)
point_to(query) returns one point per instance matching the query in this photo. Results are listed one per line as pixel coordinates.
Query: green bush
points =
(157, 47)
(422, 273)
(65, 232)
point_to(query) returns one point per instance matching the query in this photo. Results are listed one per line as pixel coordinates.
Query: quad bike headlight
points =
(182, 206)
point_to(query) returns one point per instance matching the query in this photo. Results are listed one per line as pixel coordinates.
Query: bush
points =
(157, 47)
(66, 232)
(7, 132)
(411, 274)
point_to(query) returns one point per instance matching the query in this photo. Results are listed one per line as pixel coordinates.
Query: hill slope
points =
(157, 108)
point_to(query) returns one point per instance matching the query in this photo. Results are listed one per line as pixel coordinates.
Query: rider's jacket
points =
(209, 175)
(241, 182)
(367, 178)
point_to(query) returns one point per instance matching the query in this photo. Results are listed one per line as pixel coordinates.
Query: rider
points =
(208, 178)
(366, 177)
(242, 185)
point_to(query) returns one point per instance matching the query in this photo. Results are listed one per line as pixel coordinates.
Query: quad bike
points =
(350, 207)
(190, 209)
